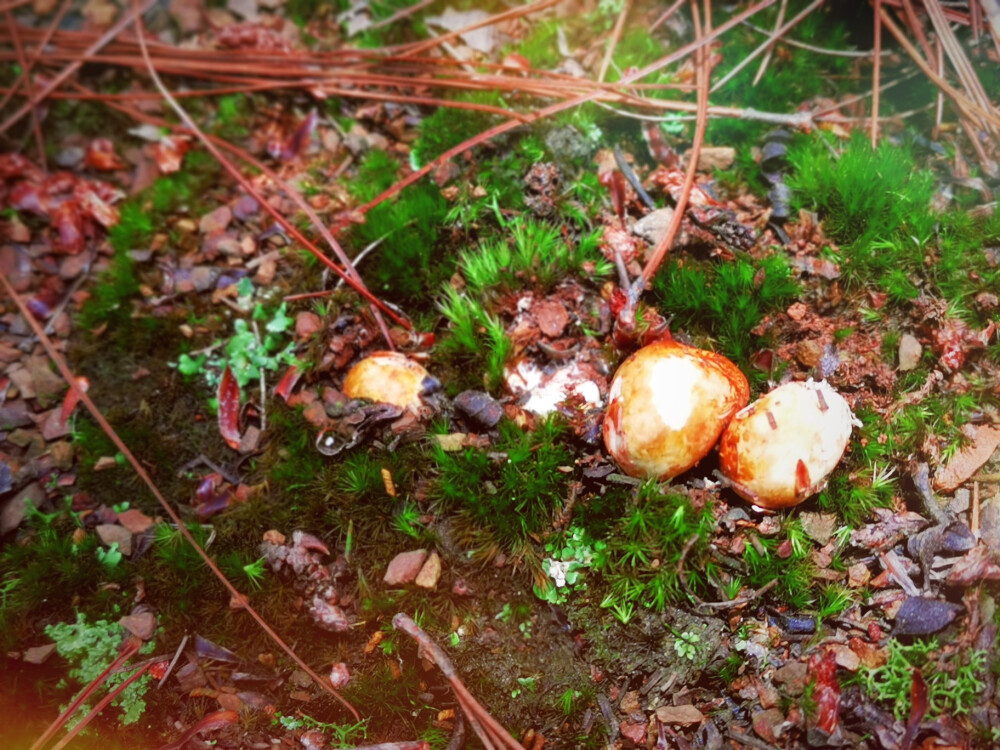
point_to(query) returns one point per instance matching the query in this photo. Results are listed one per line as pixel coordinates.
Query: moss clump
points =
(513, 491)
(408, 261)
(727, 299)
(448, 127)
(644, 547)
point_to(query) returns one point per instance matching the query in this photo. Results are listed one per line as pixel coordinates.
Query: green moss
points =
(727, 300)
(644, 548)
(410, 259)
(793, 572)
(511, 491)
(875, 202)
(448, 127)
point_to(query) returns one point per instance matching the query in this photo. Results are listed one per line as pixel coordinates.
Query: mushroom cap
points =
(667, 405)
(781, 448)
(388, 377)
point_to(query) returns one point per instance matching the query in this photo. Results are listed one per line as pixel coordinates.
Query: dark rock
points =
(920, 615)
(479, 407)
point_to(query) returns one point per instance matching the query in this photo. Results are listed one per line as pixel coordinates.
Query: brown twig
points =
(22, 60)
(130, 646)
(770, 47)
(663, 246)
(101, 705)
(103, 423)
(35, 97)
(489, 729)
(616, 34)
(776, 35)
(876, 72)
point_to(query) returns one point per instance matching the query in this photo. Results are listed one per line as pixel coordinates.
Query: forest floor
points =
(493, 215)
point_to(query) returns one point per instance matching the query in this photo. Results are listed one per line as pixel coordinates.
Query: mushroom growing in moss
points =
(780, 449)
(390, 378)
(667, 406)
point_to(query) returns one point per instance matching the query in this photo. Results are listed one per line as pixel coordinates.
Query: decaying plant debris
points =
(311, 322)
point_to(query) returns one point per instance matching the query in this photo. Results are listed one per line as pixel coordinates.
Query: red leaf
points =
(918, 708)
(229, 409)
(212, 721)
(287, 383)
(827, 690)
(100, 155)
(72, 398)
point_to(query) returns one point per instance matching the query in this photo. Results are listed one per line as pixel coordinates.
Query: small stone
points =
(960, 503)
(634, 731)
(306, 324)
(682, 715)
(629, 703)
(300, 678)
(62, 455)
(39, 654)
(653, 225)
(920, 615)
(858, 575)
(229, 701)
(135, 520)
(809, 353)
(793, 676)
(551, 317)
(142, 625)
(909, 352)
(989, 523)
(845, 657)
(15, 510)
(275, 537)
(405, 567)
(104, 463)
(480, 407)
(215, 221)
(430, 572)
(716, 157)
(109, 533)
(767, 724)
(452, 442)
(339, 675)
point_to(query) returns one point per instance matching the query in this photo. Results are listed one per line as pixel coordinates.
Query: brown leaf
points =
(984, 439)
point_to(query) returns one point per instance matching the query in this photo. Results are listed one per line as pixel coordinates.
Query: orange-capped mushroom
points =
(391, 378)
(667, 405)
(780, 449)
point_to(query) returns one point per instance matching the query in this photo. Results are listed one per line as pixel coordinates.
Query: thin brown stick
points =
(101, 705)
(103, 423)
(491, 133)
(57, 80)
(876, 72)
(663, 246)
(777, 34)
(616, 34)
(402, 13)
(665, 16)
(348, 273)
(473, 710)
(418, 47)
(24, 78)
(958, 97)
(770, 47)
(22, 60)
(130, 646)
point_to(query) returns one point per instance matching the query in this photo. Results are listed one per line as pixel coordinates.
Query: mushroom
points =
(667, 405)
(391, 378)
(780, 449)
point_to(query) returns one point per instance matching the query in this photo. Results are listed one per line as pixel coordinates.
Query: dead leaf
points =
(229, 409)
(984, 440)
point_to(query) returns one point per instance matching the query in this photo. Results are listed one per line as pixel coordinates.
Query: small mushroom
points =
(667, 405)
(390, 378)
(780, 449)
